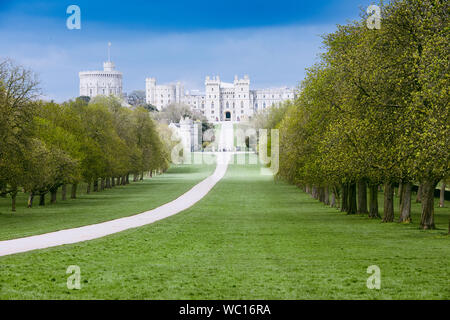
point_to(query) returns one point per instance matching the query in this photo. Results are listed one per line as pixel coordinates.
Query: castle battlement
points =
(221, 101)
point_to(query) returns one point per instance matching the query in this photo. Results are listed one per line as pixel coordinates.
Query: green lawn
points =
(97, 207)
(249, 238)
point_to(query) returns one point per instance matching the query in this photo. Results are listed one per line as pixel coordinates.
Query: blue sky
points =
(271, 41)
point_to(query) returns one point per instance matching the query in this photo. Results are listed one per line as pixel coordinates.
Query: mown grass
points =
(101, 206)
(249, 238)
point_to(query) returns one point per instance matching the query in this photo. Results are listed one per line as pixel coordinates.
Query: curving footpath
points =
(99, 230)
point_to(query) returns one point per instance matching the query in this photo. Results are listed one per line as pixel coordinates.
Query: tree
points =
(18, 89)
(136, 98)
(375, 110)
(149, 107)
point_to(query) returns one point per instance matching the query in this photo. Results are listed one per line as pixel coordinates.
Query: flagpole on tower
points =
(109, 53)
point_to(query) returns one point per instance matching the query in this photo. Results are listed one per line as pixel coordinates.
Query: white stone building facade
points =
(221, 101)
(163, 95)
(106, 82)
(189, 133)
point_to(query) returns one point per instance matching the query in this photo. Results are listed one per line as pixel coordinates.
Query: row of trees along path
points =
(45, 146)
(374, 110)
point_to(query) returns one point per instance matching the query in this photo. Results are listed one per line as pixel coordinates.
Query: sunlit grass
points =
(249, 238)
(101, 206)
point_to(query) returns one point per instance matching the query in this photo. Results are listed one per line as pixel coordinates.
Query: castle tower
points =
(106, 82)
(212, 91)
(242, 97)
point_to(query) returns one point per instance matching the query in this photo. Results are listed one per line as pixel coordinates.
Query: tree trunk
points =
(127, 179)
(142, 176)
(400, 202)
(321, 192)
(351, 199)
(333, 199)
(338, 196)
(344, 202)
(88, 188)
(124, 181)
(388, 215)
(442, 196)
(102, 184)
(73, 193)
(362, 197)
(405, 205)
(42, 199)
(30, 200)
(95, 185)
(63, 192)
(108, 183)
(400, 191)
(53, 193)
(419, 194)
(113, 182)
(3, 191)
(373, 212)
(13, 200)
(427, 197)
(151, 173)
(326, 199)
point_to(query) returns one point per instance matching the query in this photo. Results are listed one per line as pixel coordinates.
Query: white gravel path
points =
(99, 230)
